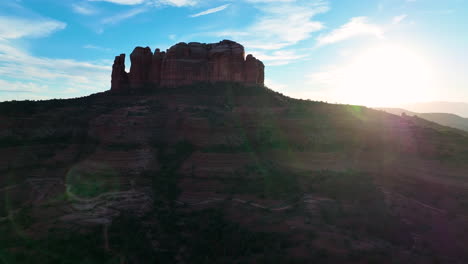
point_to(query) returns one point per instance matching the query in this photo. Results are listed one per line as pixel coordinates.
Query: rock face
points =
(141, 59)
(119, 76)
(184, 64)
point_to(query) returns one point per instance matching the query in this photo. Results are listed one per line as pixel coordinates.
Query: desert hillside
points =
(221, 173)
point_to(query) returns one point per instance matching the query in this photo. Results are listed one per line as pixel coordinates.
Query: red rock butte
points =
(185, 64)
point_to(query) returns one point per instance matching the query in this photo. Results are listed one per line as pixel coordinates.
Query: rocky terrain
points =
(226, 173)
(185, 64)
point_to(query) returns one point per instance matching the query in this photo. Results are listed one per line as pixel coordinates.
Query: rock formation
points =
(119, 76)
(141, 59)
(184, 64)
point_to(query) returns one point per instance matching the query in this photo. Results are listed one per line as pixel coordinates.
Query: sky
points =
(367, 52)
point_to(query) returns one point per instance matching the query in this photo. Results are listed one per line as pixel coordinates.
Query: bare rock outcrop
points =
(141, 61)
(190, 63)
(119, 76)
(254, 70)
(156, 66)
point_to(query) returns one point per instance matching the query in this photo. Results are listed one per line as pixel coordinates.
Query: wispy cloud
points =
(357, 26)
(94, 47)
(270, 1)
(121, 2)
(20, 87)
(211, 10)
(399, 19)
(439, 12)
(16, 27)
(282, 24)
(279, 57)
(41, 76)
(16, 63)
(84, 9)
(275, 85)
(124, 15)
(178, 3)
(142, 7)
(23, 75)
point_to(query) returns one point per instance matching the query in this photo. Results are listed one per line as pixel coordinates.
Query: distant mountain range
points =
(457, 108)
(445, 119)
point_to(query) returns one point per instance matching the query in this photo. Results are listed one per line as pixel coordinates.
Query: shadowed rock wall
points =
(184, 64)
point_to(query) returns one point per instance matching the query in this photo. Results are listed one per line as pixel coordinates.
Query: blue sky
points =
(371, 52)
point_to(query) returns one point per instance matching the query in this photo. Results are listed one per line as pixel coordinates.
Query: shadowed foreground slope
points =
(222, 173)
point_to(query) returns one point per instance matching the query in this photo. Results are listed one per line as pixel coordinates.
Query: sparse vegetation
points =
(88, 184)
(123, 146)
(266, 181)
(263, 129)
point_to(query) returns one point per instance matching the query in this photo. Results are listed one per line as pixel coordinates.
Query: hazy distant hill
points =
(456, 108)
(445, 119)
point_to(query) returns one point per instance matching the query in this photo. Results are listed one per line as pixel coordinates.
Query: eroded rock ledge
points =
(190, 63)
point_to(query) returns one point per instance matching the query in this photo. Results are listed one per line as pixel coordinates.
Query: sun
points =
(387, 75)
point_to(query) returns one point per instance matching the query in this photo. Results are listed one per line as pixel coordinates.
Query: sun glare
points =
(388, 75)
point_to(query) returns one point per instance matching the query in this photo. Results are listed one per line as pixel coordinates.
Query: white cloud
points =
(15, 63)
(42, 77)
(147, 5)
(332, 76)
(275, 85)
(23, 75)
(124, 15)
(178, 3)
(15, 27)
(399, 19)
(90, 46)
(83, 9)
(20, 87)
(279, 57)
(357, 26)
(211, 10)
(270, 1)
(121, 2)
(281, 24)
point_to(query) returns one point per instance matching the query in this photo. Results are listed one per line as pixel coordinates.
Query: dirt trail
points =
(279, 208)
(441, 211)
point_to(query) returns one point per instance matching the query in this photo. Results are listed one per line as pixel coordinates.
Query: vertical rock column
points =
(156, 66)
(254, 71)
(174, 70)
(141, 59)
(226, 60)
(119, 80)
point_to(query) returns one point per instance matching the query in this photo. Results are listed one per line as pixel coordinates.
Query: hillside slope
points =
(444, 119)
(227, 174)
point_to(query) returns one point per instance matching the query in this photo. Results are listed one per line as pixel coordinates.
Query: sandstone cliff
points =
(184, 64)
